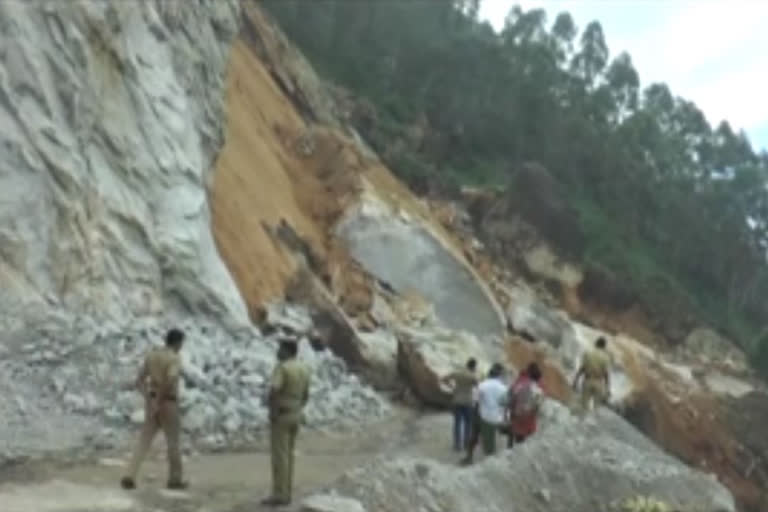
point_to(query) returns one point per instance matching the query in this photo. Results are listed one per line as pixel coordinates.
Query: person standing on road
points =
(288, 394)
(463, 382)
(474, 426)
(491, 400)
(595, 368)
(158, 382)
(525, 397)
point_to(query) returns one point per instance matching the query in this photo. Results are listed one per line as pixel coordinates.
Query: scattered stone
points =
(376, 234)
(544, 495)
(535, 320)
(137, 417)
(331, 503)
(425, 356)
(563, 467)
(58, 405)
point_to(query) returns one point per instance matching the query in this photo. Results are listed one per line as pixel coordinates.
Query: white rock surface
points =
(563, 468)
(376, 236)
(81, 392)
(425, 355)
(331, 503)
(526, 314)
(110, 118)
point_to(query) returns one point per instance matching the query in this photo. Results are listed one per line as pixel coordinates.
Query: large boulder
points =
(405, 252)
(426, 355)
(112, 116)
(709, 347)
(536, 321)
(330, 503)
(379, 349)
(570, 465)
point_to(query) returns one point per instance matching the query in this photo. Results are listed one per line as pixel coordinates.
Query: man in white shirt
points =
(491, 402)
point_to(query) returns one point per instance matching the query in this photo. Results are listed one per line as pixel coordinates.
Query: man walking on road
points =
(491, 401)
(158, 382)
(595, 368)
(288, 394)
(463, 382)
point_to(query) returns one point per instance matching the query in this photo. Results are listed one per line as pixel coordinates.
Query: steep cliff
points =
(110, 118)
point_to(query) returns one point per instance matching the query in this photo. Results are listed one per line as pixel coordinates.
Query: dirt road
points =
(227, 482)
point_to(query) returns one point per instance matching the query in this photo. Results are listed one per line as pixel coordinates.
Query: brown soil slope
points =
(275, 192)
(282, 182)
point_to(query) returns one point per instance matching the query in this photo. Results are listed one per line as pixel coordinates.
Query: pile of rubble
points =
(601, 463)
(72, 382)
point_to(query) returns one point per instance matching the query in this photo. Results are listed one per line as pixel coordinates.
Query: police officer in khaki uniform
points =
(595, 366)
(288, 394)
(158, 382)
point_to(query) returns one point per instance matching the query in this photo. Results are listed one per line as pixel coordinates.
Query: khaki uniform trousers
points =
(167, 420)
(592, 394)
(283, 432)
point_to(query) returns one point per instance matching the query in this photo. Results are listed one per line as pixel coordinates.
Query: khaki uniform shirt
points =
(162, 368)
(463, 383)
(290, 385)
(596, 365)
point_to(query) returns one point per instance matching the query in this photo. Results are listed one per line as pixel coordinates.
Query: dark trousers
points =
(513, 439)
(462, 426)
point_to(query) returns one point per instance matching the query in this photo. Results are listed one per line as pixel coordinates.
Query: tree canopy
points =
(675, 206)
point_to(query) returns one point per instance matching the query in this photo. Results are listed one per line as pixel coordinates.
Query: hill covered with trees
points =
(673, 206)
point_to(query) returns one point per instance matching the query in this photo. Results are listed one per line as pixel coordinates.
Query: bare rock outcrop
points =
(425, 356)
(330, 503)
(404, 252)
(110, 119)
(563, 468)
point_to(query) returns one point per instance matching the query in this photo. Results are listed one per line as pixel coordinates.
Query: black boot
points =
(178, 485)
(127, 483)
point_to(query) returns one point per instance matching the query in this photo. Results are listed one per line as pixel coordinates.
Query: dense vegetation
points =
(673, 205)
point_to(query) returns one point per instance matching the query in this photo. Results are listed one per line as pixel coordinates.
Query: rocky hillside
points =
(367, 254)
(187, 166)
(112, 116)
(290, 187)
(545, 475)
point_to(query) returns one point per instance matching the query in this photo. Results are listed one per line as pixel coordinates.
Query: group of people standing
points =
(482, 409)
(158, 382)
(487, 408)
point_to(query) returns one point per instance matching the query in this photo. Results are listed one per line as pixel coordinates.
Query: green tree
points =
(668, 203)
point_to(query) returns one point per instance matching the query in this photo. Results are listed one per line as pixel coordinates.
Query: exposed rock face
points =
(110, 118)
(406, 255)
(533, 319)
(709, 347)
(426, 355)
(565, 467)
